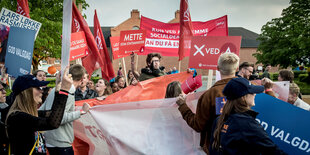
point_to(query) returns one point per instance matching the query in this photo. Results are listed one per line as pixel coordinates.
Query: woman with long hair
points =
(103, 88)
(24, 122)
(173, 89)
(236, 130)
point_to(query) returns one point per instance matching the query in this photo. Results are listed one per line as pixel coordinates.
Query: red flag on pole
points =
(93, 60)
(23, 8)
(186, 28)
(107, 71)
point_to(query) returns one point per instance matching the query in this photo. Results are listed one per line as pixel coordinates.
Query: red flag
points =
(93, 60)
(23, 8)
(186, 28)
(107, 71)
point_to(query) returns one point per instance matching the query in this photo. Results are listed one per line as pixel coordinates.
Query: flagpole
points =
(210, 78)
(125, 71)
(137, 62)
(180, 65)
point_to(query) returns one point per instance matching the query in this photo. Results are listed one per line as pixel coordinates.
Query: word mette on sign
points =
(205, 50)
(131, 41)
(133, 37)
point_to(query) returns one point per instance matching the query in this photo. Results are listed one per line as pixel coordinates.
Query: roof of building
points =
(106, 33)
(248, 37)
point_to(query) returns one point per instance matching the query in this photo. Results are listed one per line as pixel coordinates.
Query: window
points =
(136, 28)
(57, 62)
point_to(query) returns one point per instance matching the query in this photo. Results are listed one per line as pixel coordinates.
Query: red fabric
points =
(151, 89)
(23, 8)
(107, 69)
(186, 28)
(93, 60)
(163, 38)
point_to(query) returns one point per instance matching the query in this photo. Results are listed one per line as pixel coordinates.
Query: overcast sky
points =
(250, 14)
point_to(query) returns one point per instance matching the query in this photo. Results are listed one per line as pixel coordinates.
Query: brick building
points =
(249, 43)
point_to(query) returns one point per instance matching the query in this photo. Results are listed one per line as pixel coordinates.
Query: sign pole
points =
(125, 71)
(210, 78)
(137, 62)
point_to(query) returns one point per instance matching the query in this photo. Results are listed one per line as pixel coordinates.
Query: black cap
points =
(239, 87)
(26, 81)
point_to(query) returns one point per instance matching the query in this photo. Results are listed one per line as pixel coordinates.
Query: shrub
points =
(296, 73)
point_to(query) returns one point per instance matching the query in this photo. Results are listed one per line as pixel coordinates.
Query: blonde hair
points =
(24, 102)
(294, 89)
(228, 63)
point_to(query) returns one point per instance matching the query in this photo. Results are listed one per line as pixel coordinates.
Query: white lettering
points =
(286, 137)
(228, 50)
(272, 130)
(295, 141)
(280, 134)
(302, 146)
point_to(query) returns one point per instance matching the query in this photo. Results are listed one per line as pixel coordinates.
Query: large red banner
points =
(78, 48)
(205, 51)
(164, 37)
(131, 41)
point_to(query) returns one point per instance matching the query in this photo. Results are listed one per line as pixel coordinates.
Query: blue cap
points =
(239, 87)
(26, 81)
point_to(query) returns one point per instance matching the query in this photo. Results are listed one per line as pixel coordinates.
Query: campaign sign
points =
(19, 51)
(287, 125)
(115, 48)
(78, 48)
(10, 18)
(131, 41)
(205, 51)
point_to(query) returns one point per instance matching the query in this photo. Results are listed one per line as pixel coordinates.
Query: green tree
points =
(285, 41)
(49, 13)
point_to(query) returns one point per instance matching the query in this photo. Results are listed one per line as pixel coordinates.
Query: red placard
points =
(163, 38)
(78, 48)
(131, 41)
(205, 51)
(115, 47)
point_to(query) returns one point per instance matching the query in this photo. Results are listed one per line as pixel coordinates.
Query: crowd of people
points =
(34, 107)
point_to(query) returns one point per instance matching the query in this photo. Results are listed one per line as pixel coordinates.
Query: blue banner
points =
(287, 125)
(19, 51)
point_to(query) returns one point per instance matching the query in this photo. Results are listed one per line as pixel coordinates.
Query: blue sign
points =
(287, 125)
(19, 51)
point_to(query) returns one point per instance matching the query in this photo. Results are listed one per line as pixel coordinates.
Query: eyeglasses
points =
(249, 70)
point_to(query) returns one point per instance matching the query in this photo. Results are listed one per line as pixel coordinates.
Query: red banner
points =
(205, 51)
(131, 41)
(115, 48)
(164, 38)
(78, 48)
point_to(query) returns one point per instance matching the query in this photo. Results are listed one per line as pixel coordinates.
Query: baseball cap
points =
(26, 81)
(239, 87)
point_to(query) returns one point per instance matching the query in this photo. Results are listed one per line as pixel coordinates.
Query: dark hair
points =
(173, 89)
(77, 71)
(238, 105)
(150, 56)
(286, 75)
(245, 65)
(108, 90)
(117, 79)
(129, 73)
(35, 73)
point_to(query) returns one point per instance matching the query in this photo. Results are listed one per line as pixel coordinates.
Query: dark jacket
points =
(242, 134)
(147, 73)
(202, 120)
(23, 126)
(89, 94)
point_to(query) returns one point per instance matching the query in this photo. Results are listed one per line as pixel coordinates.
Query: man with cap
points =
(236, 131)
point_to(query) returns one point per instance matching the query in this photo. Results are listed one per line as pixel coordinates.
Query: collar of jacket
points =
(222, 82)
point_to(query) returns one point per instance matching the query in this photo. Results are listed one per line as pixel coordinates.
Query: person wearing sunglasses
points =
(24, 122)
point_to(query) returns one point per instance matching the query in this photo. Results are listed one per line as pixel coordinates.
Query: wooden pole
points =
(180, 66)
(137, 62)
(125, 71)
(210, 78)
